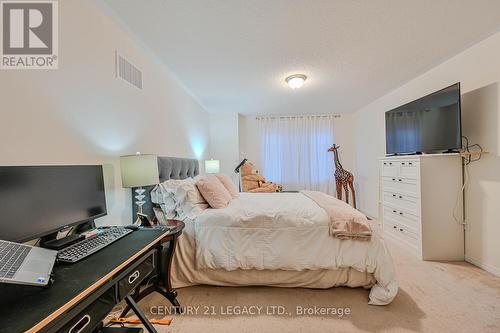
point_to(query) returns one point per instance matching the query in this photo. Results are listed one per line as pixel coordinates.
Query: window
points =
(294, 152)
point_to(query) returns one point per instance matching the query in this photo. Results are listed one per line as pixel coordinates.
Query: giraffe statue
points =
(343, 178)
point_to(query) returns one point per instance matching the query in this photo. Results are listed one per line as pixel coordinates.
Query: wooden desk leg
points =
(133, 305)
(170, 293)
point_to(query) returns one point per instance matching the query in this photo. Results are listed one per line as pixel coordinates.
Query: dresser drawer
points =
(129, 280)
(401, 201)
(399, 232)
(407, 234)
(401, 185)
(90, 317)
(409, 169)
(408, 221)
(390, 169)
(401, 168)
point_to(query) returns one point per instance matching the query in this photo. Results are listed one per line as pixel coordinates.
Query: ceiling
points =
(234, 55)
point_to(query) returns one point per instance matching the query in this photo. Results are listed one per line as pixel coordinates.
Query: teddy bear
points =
(253, 182)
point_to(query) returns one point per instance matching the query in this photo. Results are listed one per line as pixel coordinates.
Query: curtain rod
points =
(300, 116)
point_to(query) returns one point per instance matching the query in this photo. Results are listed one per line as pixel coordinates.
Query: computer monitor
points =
(36, 201)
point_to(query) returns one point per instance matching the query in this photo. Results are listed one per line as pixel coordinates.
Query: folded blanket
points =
(346, 222)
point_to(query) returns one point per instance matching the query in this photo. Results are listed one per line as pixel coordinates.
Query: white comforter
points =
(286, 231)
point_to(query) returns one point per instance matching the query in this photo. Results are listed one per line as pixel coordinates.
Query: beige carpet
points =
(433, 297)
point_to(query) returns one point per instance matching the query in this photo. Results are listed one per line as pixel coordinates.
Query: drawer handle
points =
(134, 276)
(394, 227)
(400, 213)
(402, 163)
(85, 321)
(390, 163)
(400, 180)
(400, 197)
(393, 179)
(400, 229)
(410, 163)
(385, 163)
(394, 195)
(394, 211)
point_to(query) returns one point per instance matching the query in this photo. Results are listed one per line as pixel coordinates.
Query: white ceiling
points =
(234, 55)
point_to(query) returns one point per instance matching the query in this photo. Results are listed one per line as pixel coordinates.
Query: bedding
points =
(228, 184)
(213, 191)
(190, 202)
(280, 239)
(178, 199)
(184, 272)
(345, 222)
(162, 196)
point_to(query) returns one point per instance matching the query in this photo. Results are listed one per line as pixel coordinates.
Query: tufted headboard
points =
(168, 168)
(177, 168)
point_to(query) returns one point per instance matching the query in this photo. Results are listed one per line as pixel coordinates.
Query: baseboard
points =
(491, 269)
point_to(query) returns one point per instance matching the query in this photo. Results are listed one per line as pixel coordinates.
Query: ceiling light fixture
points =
(296, 81)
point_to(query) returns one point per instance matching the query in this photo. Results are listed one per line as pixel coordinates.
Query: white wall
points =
(476, 68)
(250, 143)
(82, 114)
(481, 125)
(224, 142)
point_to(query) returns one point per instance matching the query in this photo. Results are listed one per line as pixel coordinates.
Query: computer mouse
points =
(132, 227)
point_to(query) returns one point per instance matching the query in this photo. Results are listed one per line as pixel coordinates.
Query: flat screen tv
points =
(36, 201)
(431, 124)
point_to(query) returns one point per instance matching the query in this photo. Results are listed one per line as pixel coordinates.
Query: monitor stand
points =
(51, 242)
(58, 244)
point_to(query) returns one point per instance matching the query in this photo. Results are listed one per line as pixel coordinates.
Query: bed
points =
(273, 239)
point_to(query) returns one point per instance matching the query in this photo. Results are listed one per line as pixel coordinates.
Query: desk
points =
(94, 281)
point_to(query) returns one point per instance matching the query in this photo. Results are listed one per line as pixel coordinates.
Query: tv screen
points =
(38, 200)
(428, 125)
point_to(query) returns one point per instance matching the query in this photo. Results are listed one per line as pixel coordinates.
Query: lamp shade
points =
(139, 170)
(212, 166)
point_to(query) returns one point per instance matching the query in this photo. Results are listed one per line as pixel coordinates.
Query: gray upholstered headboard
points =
(168, 168)
(177, 168)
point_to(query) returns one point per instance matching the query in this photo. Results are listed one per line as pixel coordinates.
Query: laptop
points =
(24, 264)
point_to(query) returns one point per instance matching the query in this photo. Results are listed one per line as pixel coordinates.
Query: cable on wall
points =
(462, 220)
(470, 151)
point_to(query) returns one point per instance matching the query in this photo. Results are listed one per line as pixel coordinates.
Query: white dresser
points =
(418, 198)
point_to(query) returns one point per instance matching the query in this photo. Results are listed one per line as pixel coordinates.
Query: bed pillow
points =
(190, 202)
(213, 191)
(179, 199)
(228, 184)
(165, 199)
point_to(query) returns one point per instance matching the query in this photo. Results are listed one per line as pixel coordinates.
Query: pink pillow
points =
(228, 184)
(213, 191)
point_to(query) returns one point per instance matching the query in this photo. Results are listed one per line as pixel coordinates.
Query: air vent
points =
(128, 72)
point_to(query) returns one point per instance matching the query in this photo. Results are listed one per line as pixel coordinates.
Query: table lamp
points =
(212, 166)
(137, 171)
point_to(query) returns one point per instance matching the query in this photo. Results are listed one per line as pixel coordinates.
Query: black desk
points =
(94, 280)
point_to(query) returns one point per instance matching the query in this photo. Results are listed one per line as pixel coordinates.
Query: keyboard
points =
(12, 256)
(86, 247)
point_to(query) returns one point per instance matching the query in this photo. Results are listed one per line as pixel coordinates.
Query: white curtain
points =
(294, 152)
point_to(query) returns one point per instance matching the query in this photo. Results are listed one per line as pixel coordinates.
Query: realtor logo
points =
(29, 34)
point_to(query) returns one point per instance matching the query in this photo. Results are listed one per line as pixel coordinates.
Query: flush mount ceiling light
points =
(296, 81)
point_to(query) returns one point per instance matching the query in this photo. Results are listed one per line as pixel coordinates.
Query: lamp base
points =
(139, 195)
(137, 221)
